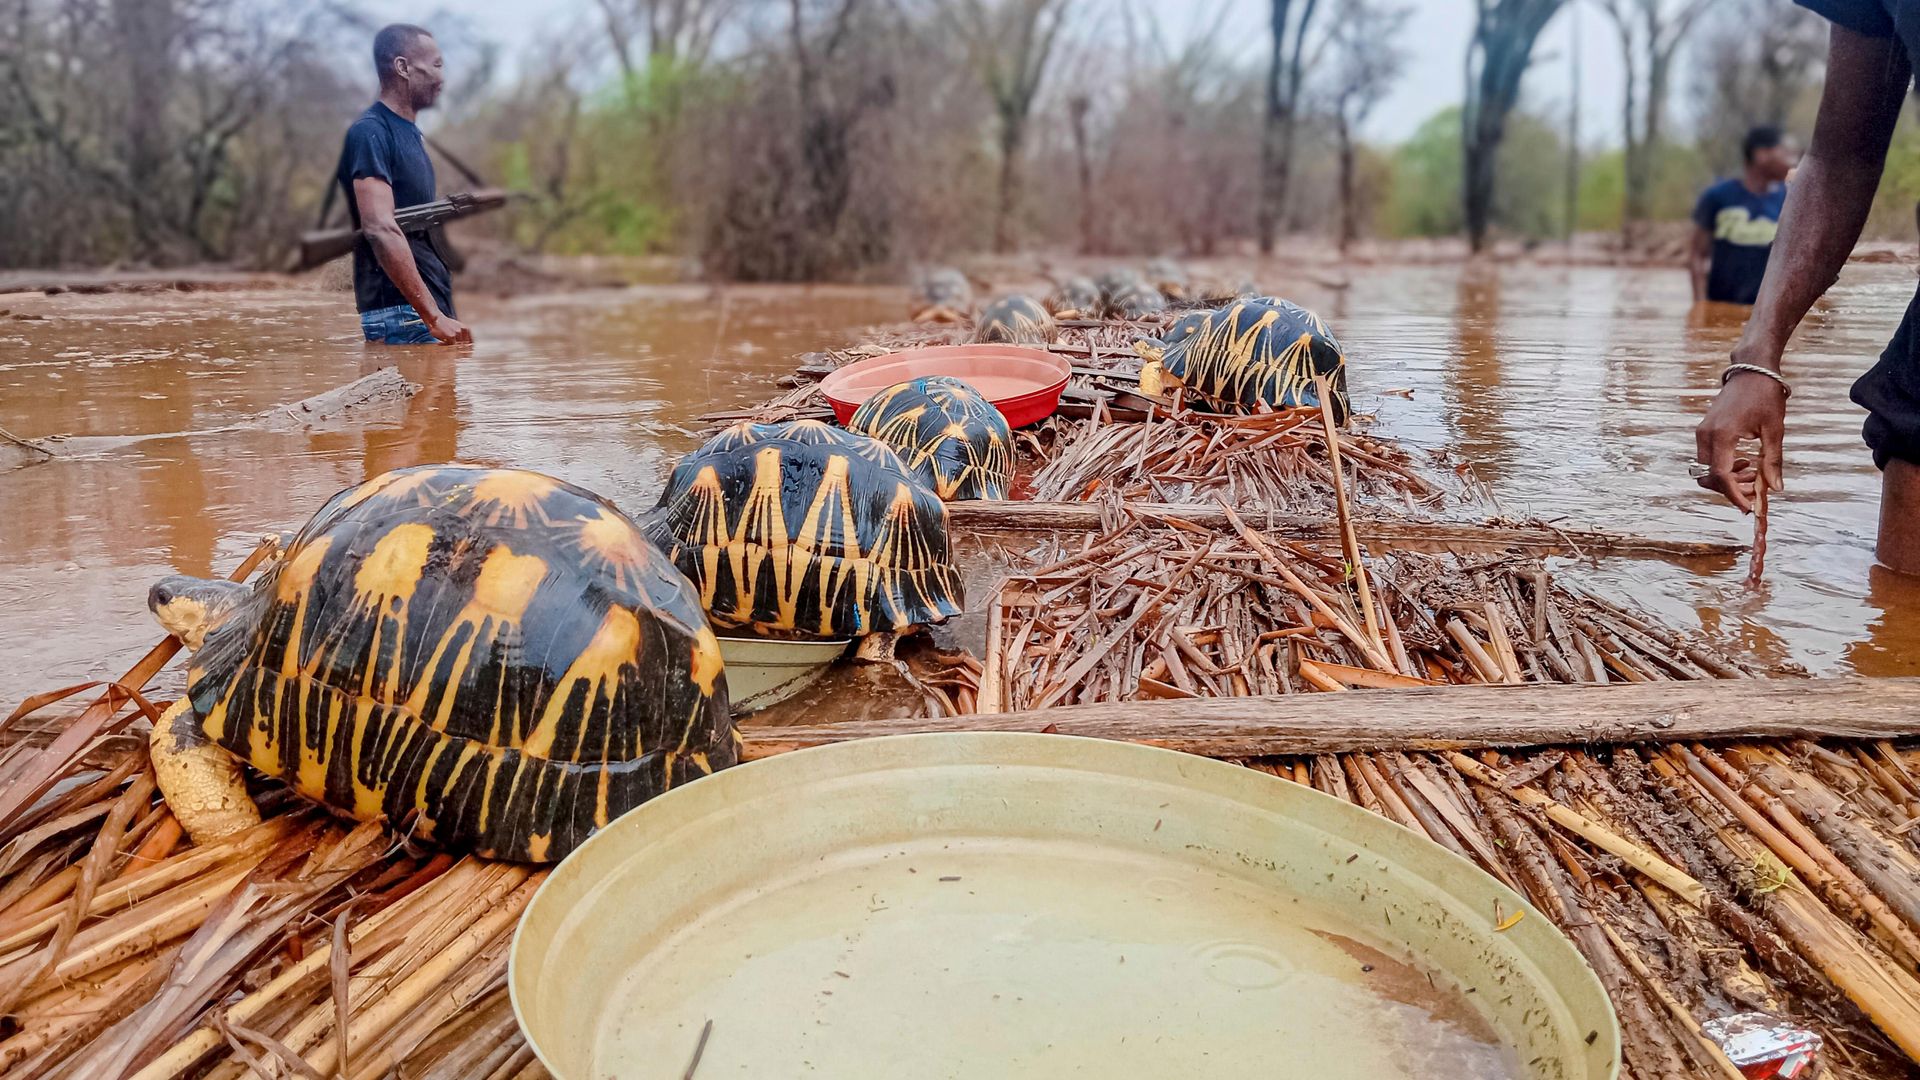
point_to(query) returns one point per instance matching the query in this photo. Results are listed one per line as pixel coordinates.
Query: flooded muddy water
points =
(1572, 391)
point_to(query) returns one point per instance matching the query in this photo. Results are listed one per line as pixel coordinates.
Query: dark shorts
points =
(397, 325)
(1890, 392)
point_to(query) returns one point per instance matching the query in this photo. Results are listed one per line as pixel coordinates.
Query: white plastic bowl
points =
(1014, 905)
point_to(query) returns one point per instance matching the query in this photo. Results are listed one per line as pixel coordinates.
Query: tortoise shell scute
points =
(1015, 320)
(807, 528)
(952, 439)
(1260, 352)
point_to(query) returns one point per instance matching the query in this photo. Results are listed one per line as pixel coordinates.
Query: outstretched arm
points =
(1826, 207)
(374, 197)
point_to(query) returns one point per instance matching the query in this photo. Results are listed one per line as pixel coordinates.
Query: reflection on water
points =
(1571, 391)
(603, 389)
(1574, 392)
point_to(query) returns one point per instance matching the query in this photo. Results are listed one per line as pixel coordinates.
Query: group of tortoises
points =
(502, 662)
(1248, 352)
(499, 661)
(1122, 292)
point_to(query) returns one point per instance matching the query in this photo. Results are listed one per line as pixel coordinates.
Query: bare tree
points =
(1184, 165)
(1291, 23)
(1570, 215)
(1757, 63)
(1366, 59)
(1078, 107)
(671, 30)
(129, 124)
(1009, 42)
(1498, 55)
(1650, 32)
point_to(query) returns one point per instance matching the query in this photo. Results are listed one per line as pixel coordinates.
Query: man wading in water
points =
(1869, 66)
(1735, 221)
(400, 282)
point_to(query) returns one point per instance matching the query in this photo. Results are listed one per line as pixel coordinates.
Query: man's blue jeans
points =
(396, 325)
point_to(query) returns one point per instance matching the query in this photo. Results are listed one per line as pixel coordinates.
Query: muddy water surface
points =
(1573, 392)
(602, 388)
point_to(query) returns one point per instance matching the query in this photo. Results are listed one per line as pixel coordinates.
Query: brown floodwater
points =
(1571, 391)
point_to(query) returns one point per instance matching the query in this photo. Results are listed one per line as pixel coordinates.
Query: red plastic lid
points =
(1023, 383)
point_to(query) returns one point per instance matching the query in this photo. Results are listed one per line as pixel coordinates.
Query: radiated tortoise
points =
(493, 659)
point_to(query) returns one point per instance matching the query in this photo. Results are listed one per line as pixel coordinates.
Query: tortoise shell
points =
(1170, 278)
(950, 436)
(1261, 352)
(807, 528)
(499, 656)
(1115, 281)
(943, 294)
(1015, 320)
(1074, 298)
(1136, 301)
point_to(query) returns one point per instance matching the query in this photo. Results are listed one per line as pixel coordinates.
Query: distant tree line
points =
(798, 139)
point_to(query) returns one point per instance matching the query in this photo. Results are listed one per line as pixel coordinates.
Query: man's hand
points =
(1749, 406)
(448, 331)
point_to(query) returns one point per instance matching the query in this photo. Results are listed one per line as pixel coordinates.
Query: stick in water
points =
(1757, 563)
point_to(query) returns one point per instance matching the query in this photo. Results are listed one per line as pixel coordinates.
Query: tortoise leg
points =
(1152, 378)
(202, 783)
(876, 648)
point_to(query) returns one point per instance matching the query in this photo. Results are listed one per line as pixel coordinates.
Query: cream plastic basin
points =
(766, 671)
(1014, 905)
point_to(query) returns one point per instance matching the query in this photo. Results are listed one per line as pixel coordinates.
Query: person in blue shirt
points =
(1871, 54)
(1735, 220)
(400, 280)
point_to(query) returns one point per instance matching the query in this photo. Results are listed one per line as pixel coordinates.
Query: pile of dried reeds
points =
(1697, 881)
(1276, 461)
(1161, 608)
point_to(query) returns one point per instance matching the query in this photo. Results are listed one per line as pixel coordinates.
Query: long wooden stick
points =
(1348, 542)
(992, 697)
(1443, 718)
(1470, 536)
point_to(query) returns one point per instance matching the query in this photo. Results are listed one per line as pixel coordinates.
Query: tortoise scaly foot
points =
(876, 648)
(202, 783)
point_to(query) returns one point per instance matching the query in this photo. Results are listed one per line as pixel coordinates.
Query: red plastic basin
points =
(1024, 384)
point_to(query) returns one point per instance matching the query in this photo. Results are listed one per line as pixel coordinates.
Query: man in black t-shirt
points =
(400, 282)
(1870, 59)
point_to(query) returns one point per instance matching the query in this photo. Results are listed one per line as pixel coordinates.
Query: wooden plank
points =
(1445, 718)
(1018, 514)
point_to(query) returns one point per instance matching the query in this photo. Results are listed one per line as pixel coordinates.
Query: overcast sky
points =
(1436, 39)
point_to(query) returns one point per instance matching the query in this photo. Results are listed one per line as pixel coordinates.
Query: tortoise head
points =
(190, 607)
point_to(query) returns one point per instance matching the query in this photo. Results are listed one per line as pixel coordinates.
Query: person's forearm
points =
(1827, 204)
(1825, 211)
(395, 254)
(1697, 268)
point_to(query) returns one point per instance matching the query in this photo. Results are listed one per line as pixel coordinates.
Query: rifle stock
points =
(321, 246)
